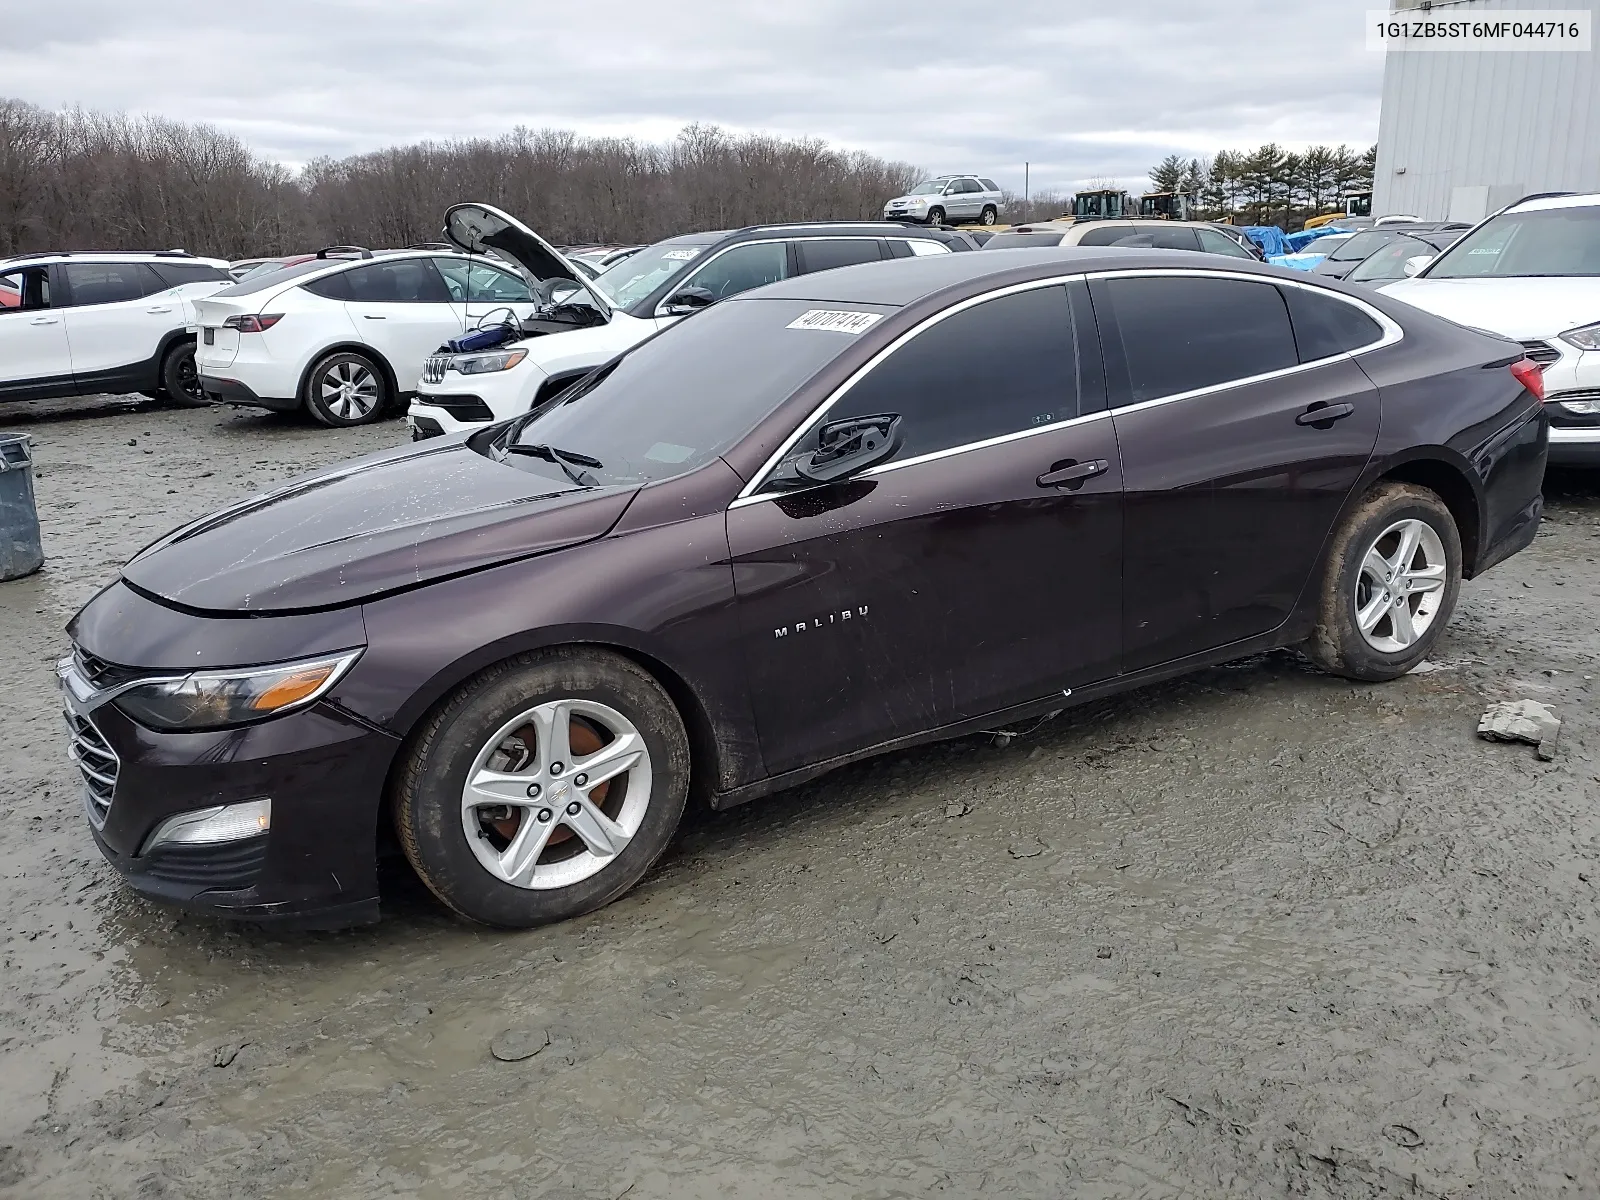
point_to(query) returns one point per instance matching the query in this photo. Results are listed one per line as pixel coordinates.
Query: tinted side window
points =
(742, 268)
(178, 273)
(408, 281)
(109, 283)
(1325, 325)
(822, 254)
(1182, 333)
(1179, 237)
(331, 287)
(1105, 235)
(1213, 242)
(1000, 367)
(989, 185)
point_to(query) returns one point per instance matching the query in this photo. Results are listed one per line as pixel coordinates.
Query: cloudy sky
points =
(1082, 90)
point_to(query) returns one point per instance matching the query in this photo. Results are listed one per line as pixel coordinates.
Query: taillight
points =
(253, 324)
(1531, 376)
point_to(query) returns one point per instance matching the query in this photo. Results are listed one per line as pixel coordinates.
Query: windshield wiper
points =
(565, 459)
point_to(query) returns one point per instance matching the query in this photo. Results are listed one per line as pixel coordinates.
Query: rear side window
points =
(1105, 235)
(408, 281)
(1325, 325)
(110, 283)
(822, 254)
(178, 273)
(1181, 333)
(1004, 366)
(989, 185)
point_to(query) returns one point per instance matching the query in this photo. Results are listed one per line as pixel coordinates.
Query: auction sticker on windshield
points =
(835, 319)
(680, 255)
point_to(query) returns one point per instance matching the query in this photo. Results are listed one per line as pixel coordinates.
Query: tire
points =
(1355, 589)
(936, 215)
(990, 215)
(492, 731)
(345, 389)
(180, 379)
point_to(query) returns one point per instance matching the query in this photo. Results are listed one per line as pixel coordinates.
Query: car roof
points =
(903, 281)
(45, 258)
(1584, 200)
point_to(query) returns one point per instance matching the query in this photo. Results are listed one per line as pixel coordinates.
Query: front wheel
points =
(346, 389)
(1389, 584)
(936, 216)
(990, 215)
(180, 378)
(545, 788)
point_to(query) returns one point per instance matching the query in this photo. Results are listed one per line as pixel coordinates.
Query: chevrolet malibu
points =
(843, 514)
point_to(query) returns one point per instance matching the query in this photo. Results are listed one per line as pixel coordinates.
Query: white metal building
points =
(1463, 133)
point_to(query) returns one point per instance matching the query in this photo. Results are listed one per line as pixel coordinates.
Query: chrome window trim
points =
(1391, 334)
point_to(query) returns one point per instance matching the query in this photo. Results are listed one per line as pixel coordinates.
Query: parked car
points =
(745, 553)
(629, 302)
(1401, 257)
(1238, 234)
(345, 338)
(1199, 236)
(113, 322)
(1532, 272)
(1346, 256)
(948, 198)
(1311, 254)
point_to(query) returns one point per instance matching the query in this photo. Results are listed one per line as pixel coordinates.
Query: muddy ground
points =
(1256, 933)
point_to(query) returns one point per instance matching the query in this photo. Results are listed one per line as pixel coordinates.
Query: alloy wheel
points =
(1401, 586)
(556, 793)
(349, 391)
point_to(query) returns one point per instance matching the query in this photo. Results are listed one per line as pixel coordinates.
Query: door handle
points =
(1322, 416)
(1072, 473)
(373, 317)
(44, 321)
(158, 310)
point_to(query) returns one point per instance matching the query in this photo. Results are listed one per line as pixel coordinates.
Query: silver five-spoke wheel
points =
(556, 793)
(1401, 585)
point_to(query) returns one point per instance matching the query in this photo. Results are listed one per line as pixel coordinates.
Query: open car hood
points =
(380, 524)
(479, 228)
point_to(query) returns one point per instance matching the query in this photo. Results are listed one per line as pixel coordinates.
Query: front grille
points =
(102, 674)
(1542, 353)
(229, 866)
(463, 408)
(433, 368)
(97, 762)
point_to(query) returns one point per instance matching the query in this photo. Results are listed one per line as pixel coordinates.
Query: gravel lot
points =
(1255, 933)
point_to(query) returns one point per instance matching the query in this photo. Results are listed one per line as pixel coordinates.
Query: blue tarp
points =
(1296, 242)
(1268, 237)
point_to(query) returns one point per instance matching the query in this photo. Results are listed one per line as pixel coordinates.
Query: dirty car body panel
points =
(1092, 525)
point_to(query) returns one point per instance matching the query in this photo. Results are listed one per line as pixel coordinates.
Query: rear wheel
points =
(1389, 585)
(990, 215)
(346, 388)
(180, 378)
(936, 216)
(544, 789)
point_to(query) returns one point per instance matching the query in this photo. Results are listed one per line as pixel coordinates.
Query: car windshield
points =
(1389, 262)
(676, 401)
(1359, 246)
(260, 269)
(630, 280)
(929, 187)
(1324, 245)
(1551, 241)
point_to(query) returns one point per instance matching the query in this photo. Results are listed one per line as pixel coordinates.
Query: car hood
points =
(380, 524)
(480, 228)
(1522, 309)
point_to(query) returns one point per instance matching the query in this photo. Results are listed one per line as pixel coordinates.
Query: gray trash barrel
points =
(21, 552)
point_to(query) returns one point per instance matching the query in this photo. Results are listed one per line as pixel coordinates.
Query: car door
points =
(728, 272)
(971, 199)
(1232, 483)
(977, 570)
(34, 355)
(116, 317)
(823, 254)
(402, 309)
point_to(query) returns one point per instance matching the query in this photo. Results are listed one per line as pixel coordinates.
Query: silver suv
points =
(948, 198)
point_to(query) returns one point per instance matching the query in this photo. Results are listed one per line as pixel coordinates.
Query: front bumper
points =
(447, 416)
(322, 769)
(1575, 447)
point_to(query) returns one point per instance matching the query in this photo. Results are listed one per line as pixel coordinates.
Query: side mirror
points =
(844, 448)
(690, 299)
(1415, 264)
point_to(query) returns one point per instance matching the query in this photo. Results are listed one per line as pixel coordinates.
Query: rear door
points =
(977, 570)
(1232, 482)
(402, 309)
(34, 359)
(116, 317)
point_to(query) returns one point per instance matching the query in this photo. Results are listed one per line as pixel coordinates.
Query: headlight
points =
(482, 364)
(1582, 408)
(1585, 337)
(211, 699)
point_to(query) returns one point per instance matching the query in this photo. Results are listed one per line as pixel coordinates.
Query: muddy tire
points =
(180, 379)
(544, 788)
(346, 388)
(936, 215)
(1389, 584)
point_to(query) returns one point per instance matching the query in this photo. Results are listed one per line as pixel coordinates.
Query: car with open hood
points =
(466, 387)
(765, 544)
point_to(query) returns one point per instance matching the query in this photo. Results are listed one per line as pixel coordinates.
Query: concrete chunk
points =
(1522, 721)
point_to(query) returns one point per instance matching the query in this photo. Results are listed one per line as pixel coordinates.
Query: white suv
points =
(1532, 272)
(345, 338)
(80, 324)
(591, 321)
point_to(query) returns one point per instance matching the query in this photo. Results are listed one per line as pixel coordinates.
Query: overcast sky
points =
(1082, 90)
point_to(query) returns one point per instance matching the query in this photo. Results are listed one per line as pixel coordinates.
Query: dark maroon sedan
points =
(842, 514)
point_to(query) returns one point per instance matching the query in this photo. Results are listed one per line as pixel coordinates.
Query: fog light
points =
(209, 826)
